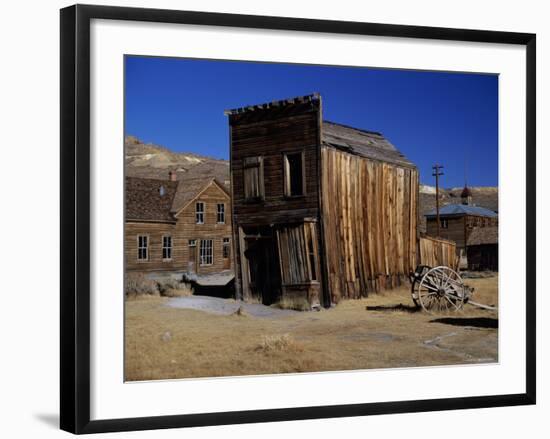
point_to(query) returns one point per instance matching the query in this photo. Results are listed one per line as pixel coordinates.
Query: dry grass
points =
(384, 330)
(280, 343)
(137, 284)
(295, 303)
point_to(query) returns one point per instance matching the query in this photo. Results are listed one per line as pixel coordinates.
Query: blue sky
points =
(431, 117)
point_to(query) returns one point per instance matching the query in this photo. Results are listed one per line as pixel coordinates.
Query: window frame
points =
(201, 213)
(218, 213)
(287, 185)
(169, 248)
(252, 163)
(444, 223)
(146, 247)
(205, 255)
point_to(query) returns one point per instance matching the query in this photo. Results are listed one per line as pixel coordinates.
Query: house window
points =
(167, 247)
(206, 252)
(221, 213)
(143, 248)
(226, 249)
(253, 176)
(294, 173)
(444, 224)
(199, 212)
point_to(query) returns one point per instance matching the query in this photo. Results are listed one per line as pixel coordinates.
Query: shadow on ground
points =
(49, 419)
(476, 322)
(399, 307)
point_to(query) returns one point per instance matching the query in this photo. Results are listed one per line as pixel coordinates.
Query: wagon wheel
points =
(441, 289)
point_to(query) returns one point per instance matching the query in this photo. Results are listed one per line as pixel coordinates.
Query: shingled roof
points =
(149, 199)
(360, 142)
(189, 188)
(462, 209)
(483, 236)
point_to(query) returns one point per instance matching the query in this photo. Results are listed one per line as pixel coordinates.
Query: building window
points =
(167, 247)
(226, 249)
(206, 252)
(444, 223)
(221, 213)
(143, 248)
(294, 173)
(253, 176)
(199, 212)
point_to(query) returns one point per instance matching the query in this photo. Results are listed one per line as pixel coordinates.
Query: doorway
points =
(263, 263)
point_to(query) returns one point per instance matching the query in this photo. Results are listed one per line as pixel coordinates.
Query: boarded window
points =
(294, 171)
(143, 248)
(166, 247)
(253, 178)
(206, 252)
(226, 249)
(199, 212)
(298, 253)
(311, 247)
(221, 213)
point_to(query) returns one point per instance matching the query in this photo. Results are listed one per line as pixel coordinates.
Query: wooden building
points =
(457, 222)
(321, 211)
(482, 249)
(178, 226)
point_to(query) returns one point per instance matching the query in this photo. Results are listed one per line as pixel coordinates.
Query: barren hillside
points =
(147, 160)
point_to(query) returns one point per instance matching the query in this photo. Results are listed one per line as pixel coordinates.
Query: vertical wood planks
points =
(370, 215)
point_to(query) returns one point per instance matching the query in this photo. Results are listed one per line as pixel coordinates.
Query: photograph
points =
(294, 218)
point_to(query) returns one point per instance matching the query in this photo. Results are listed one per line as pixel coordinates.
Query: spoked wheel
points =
(440, 289)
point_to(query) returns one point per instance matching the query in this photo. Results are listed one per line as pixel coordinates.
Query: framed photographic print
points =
(268, 218)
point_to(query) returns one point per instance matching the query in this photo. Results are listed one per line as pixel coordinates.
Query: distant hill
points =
(484, 196)
(148, 160)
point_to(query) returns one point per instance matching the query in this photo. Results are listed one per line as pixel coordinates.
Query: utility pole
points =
(436, 174)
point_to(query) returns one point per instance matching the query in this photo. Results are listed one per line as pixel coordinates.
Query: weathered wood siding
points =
(459, 227)
(270, 139)
(433, 252)
(154, 232)
(370, 220)
(186, 228)
(299, 261)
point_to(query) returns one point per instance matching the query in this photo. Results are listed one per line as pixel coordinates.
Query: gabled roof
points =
(190, 188)
(149, 199)
(462, 209)
(363, 143)
(483, 235)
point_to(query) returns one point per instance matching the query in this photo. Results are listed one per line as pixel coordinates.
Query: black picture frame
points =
(75, 217)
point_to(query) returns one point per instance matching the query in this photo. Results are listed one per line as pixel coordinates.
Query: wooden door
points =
(192, 262)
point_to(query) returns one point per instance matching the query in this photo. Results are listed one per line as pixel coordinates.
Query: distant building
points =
(482, 248)
(457, 221)
(321, 211)
(179, 226)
